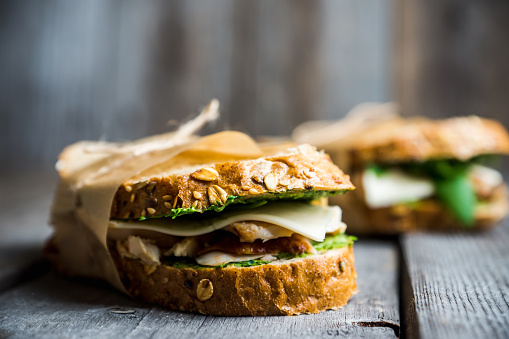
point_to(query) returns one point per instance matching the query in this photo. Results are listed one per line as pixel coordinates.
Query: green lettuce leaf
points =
(458, 195)
(334, 241)
(248, 202)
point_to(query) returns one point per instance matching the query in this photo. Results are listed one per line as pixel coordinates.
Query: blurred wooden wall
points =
(118, 70)
(453, 58)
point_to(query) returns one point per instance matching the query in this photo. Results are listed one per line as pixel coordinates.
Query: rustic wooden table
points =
(419, 285)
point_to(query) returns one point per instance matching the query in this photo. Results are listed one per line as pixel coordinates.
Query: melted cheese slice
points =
(309, 220)
(394, 186)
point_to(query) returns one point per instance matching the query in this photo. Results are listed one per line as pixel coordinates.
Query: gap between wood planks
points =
(409, 324)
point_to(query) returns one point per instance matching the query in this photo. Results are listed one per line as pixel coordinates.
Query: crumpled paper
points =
(90, 174)
(336, 137)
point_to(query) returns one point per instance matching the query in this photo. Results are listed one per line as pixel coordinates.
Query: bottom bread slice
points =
(286, 287)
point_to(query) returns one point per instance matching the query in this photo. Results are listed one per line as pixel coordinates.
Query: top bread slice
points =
(156, 192)
(420, 139)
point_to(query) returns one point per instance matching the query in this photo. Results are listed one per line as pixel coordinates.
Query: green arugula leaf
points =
(284, 255)
(248, 263)
(437, 169)
(379, 170)
(458, 196)
(334, 241)
(248, 202)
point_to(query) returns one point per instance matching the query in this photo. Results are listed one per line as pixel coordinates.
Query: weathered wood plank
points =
(51, 306)
(460, 283)
(378, 299)
(119, 70)
(355, 55)
(452, 58)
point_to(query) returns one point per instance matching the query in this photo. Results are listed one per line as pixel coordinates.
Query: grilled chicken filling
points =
(228, 242)
(249, 231)
(236, 242)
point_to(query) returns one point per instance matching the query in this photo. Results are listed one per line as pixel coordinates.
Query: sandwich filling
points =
(277, 230)
(459, 185)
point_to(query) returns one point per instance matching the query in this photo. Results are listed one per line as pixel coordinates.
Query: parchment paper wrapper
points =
(90, 174)
(336, 138)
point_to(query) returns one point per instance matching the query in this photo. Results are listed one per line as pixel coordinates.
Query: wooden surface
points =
(445, 286)
(460, 283)
(120, 70)
(452, 58)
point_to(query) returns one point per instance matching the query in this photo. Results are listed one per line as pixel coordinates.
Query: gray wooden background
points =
(118, 70)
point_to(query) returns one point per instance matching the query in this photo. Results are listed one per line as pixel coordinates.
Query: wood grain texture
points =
(460, 283)
(54, 307)
(119, 70)
(452, 58)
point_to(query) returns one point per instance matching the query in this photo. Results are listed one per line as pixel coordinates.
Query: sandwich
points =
(217, 225)
(420, 174)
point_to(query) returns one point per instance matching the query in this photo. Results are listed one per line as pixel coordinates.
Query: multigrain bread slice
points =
(156, 193)
(285, 287)
(419, 139)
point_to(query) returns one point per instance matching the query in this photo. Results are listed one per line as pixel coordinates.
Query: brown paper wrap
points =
(338, 137)
(90, 174)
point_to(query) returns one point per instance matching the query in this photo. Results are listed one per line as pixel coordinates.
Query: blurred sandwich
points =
(420, 174)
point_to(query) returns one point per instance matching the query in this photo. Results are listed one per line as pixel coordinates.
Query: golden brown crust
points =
(429, 214)
(420, 139)
(305, 285)
(203, 186)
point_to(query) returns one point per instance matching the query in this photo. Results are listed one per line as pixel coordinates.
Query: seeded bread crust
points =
(213, 184)
(290, 287)
(427, 215)
(421, 139)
